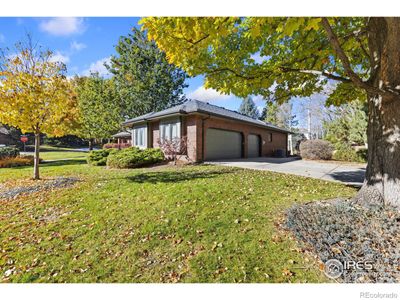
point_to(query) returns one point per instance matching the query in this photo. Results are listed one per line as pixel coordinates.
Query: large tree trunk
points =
(382, 182)
(36, 157)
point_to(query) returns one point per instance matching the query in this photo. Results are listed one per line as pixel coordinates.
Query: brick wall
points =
(192, 128)
(195, 135)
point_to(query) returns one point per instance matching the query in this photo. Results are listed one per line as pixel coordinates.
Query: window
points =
(269, 137)
(140, 137)
(170, 129)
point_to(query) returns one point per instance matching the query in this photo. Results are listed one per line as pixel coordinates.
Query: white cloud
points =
(63, 26)
(77, 46)
(98, 67)
(58, 56)
(2, 38)
(205, 95)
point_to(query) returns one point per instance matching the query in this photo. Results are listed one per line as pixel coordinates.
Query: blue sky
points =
(84, 44)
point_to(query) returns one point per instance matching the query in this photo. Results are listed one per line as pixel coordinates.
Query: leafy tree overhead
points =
(249, 108)
(144, 78)
(99, 107)
(300, 55)
(35, 94)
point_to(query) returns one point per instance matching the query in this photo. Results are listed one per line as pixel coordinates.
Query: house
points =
(5, 136)
(123, 137)
(212, 132)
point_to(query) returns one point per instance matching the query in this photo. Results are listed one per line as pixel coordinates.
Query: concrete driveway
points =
(348, 173)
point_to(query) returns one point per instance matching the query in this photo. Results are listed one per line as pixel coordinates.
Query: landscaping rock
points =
(343, 230)
(45, 185)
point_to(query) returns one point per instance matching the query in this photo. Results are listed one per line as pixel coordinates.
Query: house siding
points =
(194, 127)
(198, 125)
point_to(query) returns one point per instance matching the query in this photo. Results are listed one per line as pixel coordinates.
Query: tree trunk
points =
(36, 157)
(382, 180)
(90, 144)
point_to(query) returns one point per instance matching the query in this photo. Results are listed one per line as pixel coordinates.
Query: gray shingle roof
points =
(122, 134)
(193, 106)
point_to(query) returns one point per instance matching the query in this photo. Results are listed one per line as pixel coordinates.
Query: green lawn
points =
(56, 153)
(184, 224)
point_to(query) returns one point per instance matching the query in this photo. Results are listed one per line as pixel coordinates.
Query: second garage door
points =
(253, 145)
(221, 144)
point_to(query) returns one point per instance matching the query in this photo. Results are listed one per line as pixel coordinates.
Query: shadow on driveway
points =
(355, 177)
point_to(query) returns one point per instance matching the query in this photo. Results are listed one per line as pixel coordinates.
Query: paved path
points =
(348, 173)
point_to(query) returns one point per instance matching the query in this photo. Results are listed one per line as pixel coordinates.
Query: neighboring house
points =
(212, 132)
(5, 136)
(123, 137)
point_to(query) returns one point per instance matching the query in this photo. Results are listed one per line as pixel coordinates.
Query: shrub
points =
(99, 157)
(7, 152)
(345, 152)
(316, 149)
(10, 162)
(116, 145)
(134, 158)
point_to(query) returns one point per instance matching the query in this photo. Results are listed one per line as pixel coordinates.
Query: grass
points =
(57, 153)
(171, 224)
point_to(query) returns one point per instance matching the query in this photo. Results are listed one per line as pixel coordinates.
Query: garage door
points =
(253, 145)
(221, 144)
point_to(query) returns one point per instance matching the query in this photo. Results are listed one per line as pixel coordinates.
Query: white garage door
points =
(221, 144)
(253, 145)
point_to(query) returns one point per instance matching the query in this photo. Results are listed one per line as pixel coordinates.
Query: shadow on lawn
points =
(65, 162)
(175, 176)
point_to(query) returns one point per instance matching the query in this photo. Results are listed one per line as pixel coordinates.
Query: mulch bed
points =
(340, 229)
(24, 187)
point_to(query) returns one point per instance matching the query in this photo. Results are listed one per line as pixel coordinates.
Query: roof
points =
(4, 130)
(122, 134)
(196, 106)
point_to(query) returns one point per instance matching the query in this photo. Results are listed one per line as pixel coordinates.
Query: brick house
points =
(212, 132)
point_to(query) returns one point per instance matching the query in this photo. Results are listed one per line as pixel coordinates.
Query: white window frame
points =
(166, 129)
(139, 141)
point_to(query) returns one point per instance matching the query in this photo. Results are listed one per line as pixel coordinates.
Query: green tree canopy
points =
(144, 79)
(99, 106)
(348, 124)
(249, 108)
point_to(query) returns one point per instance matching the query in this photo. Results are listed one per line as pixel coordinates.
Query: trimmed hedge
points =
(134, 158)
(7, 152)
(116, 145)
(99, 157)
(316, 149)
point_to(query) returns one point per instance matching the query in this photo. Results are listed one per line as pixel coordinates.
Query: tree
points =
(144, 79)
(347, 124)
(280, 115)
(249, 108)
(300, 56)
(99, 107)
(35, 94)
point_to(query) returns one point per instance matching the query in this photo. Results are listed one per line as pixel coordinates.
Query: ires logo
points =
(335, 268)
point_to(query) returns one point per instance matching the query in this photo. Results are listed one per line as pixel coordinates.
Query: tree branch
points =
(333, 39)
(357, 81)
(315, 72)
